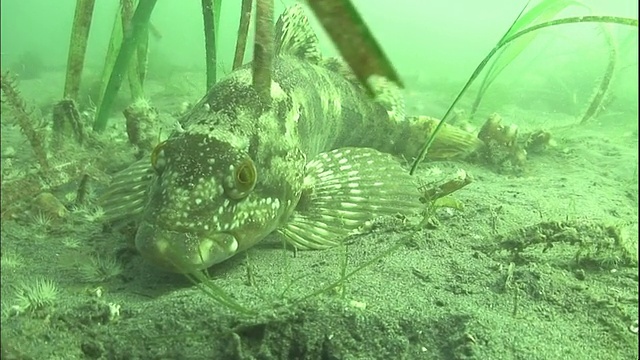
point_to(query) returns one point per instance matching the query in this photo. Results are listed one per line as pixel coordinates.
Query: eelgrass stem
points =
(504, 41)
(208, 17)
(139, 25)
(243, 31)
(77, 47)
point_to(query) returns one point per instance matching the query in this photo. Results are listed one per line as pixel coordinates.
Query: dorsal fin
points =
(339, 66)
(294, 35)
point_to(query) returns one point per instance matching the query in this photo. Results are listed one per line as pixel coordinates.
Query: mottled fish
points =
(314, 163)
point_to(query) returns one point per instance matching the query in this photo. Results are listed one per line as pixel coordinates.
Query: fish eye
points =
(157, 157)
(244, 179)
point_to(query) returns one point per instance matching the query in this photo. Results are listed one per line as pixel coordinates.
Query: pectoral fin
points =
(346, 188)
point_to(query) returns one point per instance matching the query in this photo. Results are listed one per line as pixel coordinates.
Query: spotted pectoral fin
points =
(127, 194)
(346, 188)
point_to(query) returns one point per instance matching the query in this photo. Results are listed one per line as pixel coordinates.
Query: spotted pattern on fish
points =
(313, 163)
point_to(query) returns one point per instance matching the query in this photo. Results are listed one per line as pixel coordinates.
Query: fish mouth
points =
(183, 252)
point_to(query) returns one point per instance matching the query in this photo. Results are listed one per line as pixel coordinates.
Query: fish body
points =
(313, 162)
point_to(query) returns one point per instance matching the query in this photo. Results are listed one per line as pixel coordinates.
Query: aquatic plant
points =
(141, 120)
(209, 15)
(263, 50)
(11, 260)
(217, 294)
(93, 214)
(23, 117)
(66, 117)
(138, 26)
(137, 69)
(71, 242)
(78, 47)
(115, 43)
(243, 31)
(67, 124)
(506, 39)
(41, 220)
(35, 294)
(220, 297)
(354, 41)
(545, 10)
(346, 275)
(52, 172)
(601, 91)
(97, 268)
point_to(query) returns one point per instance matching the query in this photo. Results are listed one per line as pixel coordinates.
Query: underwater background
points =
(535, 258)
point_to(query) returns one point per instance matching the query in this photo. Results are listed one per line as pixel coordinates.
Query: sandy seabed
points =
(542, 264)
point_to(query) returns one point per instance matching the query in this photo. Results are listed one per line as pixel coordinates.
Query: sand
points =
(541, 264)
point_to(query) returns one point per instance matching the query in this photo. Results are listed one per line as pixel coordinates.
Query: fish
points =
(315, 163)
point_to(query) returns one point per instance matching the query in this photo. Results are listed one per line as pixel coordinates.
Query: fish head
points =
(208, 202)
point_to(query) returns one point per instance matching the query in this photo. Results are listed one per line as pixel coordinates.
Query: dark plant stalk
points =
(142, 55)
(263, 49)
(598, 98)
(208, 17)
(139, 25)
(115, 41)
(67, 123)
(78, 47)
(133, 73)
(484, 85)
(243, 31)
(353, 39)
(504, 41)
(217, 8)
(83, 190)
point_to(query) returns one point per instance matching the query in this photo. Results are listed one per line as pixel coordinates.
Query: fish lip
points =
(184, 252)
